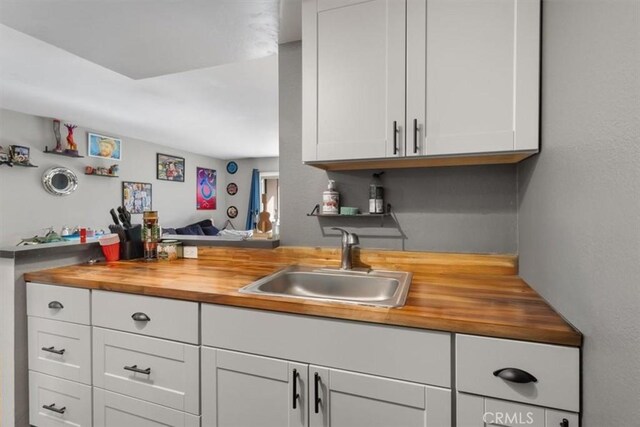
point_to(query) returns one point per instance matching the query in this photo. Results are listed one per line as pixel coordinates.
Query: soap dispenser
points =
(331, 199)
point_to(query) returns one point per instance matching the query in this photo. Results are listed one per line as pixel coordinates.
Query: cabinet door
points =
(346, 399)
(479, 411)
(240, 389)
(353, 79)
(472, 76)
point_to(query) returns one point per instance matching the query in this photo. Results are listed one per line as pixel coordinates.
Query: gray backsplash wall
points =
(26, 209)
(579, 213)
(459, 209)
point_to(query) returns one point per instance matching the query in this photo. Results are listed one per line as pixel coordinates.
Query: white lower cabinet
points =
(115, 410)
(57, 402)
(480, 411)
(240, 389)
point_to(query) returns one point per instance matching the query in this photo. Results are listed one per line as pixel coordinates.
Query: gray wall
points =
(26, 209)
(579, 213)
(470, 209)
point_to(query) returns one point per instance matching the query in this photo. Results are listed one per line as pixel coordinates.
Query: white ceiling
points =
(196, 75)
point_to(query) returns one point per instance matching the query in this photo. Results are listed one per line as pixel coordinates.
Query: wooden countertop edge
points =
(376, 315)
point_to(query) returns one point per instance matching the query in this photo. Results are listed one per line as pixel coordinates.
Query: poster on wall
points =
(169, 168)
(136, 196)
(105, 147)
(205, 189)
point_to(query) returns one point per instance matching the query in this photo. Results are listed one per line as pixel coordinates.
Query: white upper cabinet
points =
(466, 72)
(354, 79)
(472, 76)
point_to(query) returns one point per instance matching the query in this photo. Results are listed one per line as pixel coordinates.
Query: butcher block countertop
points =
(472, 294)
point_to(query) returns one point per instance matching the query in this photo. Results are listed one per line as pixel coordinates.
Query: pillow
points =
(203, 223)
(168, 230)
(210, 231)
(190, 230)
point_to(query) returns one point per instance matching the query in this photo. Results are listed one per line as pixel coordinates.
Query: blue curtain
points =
(254, 200)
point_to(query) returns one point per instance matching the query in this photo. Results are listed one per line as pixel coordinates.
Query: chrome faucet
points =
(348, 241)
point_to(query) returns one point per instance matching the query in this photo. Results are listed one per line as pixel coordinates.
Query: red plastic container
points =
(111, 252)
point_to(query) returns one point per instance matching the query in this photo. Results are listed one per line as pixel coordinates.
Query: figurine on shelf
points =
(72, 146)
(56, 132)
(5, 157)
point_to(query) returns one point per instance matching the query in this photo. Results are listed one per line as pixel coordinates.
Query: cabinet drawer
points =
(67, 403)
(116, 410)
(171, 319)
(555, 368)
(416, 355)
(58, 303)
(60, 349)
(480, 411)
(173, 377)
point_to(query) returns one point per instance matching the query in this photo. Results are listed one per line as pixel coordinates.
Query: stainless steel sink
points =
(372, 287)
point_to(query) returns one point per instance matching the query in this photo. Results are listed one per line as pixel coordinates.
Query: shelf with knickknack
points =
(63, 153)
(16, 155)
(110, 172)
(72, 147)
(387, 213)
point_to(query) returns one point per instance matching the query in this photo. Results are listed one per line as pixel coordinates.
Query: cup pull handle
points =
(515, 375)
(140, 317)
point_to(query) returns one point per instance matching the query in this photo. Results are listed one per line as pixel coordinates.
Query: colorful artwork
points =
(205, 189)
(170, 168)
(232, 189)
(136, 196)
(105, 147)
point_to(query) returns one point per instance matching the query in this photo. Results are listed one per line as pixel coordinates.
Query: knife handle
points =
(114, 216)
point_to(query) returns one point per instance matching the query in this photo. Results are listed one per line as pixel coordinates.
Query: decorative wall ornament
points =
(169, 168)
(205, 189)
(232, 167)
(136, 196)
(232, 189)
(232, 212)
(104, 147)
(72, 147)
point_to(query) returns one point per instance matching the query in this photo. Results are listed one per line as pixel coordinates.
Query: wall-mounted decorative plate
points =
(232, 167)
(232, 212)
(232, 189)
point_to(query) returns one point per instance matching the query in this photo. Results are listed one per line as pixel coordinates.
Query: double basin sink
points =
(366, 287)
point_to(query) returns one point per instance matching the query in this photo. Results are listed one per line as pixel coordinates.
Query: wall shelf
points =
(387, 213)
(104, 176)
(25, 166)
(77, 156)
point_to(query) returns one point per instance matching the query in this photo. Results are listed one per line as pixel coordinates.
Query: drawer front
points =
(60, 349)
(556, 369)
(115, 410)
(57, 402)
(158, 371)
(480, 411)
(170, 319)
(58, 303)
(416, 355)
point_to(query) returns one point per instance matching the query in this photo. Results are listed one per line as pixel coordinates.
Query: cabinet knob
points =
(515, 375)
(53, 408)
(296, 395)
(395, 137)
(52, 349)
(140, 317)
(135, 368)
(56, 304)
(316, 386)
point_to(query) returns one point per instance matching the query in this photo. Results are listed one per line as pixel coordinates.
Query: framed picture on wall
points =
(206, 193)
(136, 196)
(104, 147)
(169, 168)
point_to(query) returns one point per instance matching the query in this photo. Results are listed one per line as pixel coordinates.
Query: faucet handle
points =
(348, 238)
